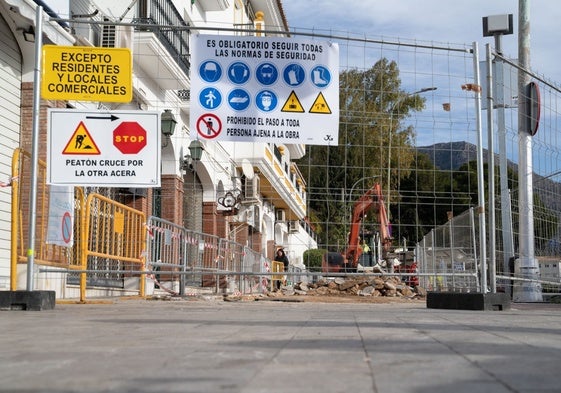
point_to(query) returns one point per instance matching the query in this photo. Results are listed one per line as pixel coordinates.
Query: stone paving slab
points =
(208, 345)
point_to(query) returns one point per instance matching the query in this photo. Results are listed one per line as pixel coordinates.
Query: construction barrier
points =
(102, 240)
(175, 254)
(113, 243)
(449, 256)
(113, 249)
(45, 252)
(278, 267)
(181, 258)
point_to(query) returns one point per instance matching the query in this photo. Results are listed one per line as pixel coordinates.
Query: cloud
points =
(436, 21)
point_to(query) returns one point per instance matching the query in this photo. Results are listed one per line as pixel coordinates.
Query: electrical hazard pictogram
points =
(81, 142)
(320, 105)
(292, 104)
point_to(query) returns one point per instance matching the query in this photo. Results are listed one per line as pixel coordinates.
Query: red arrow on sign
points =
(129, 137)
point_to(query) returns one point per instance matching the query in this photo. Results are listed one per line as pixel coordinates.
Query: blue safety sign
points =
(294, 74)
(210, 71)
(239, 73)
(266, 100)
(210, 98)
(267, 74)
(278, 90)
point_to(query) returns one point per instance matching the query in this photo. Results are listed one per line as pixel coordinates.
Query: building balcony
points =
(280, 180)
(162, 52)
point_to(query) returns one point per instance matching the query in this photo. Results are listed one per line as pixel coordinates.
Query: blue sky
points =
(439, 21)
(450, 22)
(431, 21)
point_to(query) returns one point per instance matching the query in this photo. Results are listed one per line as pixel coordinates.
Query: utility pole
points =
(496, 26)
(526, 266)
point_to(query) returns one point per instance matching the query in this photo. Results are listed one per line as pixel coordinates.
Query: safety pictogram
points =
(209, 126)
(66, 227)
(320, 105)
(129, 137)
(81, 142)
(292, 104)
(294, 74)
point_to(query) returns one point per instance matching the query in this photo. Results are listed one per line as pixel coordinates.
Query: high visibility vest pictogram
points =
(292, 104)
(320, 105)
(81, 142)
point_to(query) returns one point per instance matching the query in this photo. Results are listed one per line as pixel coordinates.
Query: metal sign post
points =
(35, 146)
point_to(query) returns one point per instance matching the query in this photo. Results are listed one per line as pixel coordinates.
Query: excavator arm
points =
(371, 200)
(334, 262)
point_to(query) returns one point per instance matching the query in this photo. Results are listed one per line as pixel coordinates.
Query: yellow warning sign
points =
(292, 104)
(81, 142)
(320, 105)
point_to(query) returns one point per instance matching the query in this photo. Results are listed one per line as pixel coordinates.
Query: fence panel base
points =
(468, 301)
(27, 300)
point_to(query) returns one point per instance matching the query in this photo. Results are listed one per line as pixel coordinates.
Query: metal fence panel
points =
(114, 240)
(448, 256)
(182, 258)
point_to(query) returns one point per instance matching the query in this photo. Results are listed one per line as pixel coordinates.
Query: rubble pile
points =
(390, 286)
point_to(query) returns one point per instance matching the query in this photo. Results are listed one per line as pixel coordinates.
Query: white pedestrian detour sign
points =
(103, 148)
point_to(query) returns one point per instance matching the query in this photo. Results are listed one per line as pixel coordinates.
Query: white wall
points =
(10, 92)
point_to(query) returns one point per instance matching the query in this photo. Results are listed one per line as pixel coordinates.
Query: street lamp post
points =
(349, 198)
(352, 189)
(394, 106)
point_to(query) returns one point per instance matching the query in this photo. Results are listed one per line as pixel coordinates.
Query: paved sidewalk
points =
(263, 346)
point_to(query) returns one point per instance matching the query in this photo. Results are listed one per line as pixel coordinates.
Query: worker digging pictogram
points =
(81, 142)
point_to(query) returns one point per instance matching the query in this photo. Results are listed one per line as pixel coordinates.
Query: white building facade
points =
(250, 193)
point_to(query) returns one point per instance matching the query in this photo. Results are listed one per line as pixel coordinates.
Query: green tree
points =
(426, 199)
(545, 219)
(372, 106)
(312, 259)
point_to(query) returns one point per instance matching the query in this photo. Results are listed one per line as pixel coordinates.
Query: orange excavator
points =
(334, 262)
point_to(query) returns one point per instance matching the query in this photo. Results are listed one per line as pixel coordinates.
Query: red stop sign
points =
(129, 137)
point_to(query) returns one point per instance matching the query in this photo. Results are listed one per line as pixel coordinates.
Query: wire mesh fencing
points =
(186, 262)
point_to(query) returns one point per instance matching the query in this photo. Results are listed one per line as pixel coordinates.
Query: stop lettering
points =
(129, 137)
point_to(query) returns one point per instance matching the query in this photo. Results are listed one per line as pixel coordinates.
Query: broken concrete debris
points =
(390, 286)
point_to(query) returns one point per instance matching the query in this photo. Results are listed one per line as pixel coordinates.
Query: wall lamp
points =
(230, 199)
(168, 122)
(196, 149)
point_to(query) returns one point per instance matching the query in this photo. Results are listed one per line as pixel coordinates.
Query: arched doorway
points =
(192, 201)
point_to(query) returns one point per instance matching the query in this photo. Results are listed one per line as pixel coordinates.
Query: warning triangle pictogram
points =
(81, 142)
(292, 104)
(320, 105)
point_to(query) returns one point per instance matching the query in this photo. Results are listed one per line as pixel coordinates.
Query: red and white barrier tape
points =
(9, 183)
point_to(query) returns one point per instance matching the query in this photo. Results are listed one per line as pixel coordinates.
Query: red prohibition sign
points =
(209, 126)
(66, 227)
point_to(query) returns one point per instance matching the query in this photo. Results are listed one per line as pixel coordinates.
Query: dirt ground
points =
(331, 299)
(361, 299)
